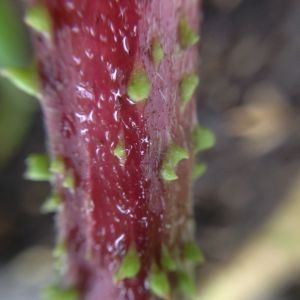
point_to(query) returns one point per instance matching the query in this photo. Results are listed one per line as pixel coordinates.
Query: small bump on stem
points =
(174, 155)
(198, 170)
(52, 204)
(167, 261)
(57, 165)
(188, 86)
(191, 252)
(186, 34)
(159, 283)
(157, 52)
(37, 167)
(130, 265)
(139, 86)
(69, 180)
(60, 253)
(120, 151)
(185, 283)
(203, 138)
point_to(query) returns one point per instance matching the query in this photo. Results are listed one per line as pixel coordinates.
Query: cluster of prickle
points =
(41, 168)
(139, 88)
(171, 267)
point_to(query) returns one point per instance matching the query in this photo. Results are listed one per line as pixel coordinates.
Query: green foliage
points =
(14, 52)
(24, 78)
(14, 105)
(14, 46)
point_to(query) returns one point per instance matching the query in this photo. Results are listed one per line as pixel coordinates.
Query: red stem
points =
(85, 69)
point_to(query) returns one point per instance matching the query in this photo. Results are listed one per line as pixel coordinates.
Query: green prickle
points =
(167, 261)
(57, 165)
(52, 204)
(174, 155)
(191, 252)
(186, 283)
(187, 36)
(120, 151)
(157, 52)
(203, 138)
(198, 170)
(69, 180)
(59, 253)
(37, 167)
(188, 85)
(139, 86)
(159, 283)
(130, 265)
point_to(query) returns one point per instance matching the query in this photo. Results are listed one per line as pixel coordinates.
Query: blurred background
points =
(247, 205)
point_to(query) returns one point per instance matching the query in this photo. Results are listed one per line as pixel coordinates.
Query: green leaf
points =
(203, 138)
(174, 155)
(26, 79)
(52, 204)
(187, 36)
(188, 86)
(186, 283)
(130, 265)
(15, 103)
(191, 252)
(37, 167)
(37, 17)
(59, 293)
(157, 52)
(167, 261)
(139, 86)
(159, 283)
(14, 46)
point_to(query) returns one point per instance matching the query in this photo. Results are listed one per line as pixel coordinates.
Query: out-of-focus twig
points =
(264, 263)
